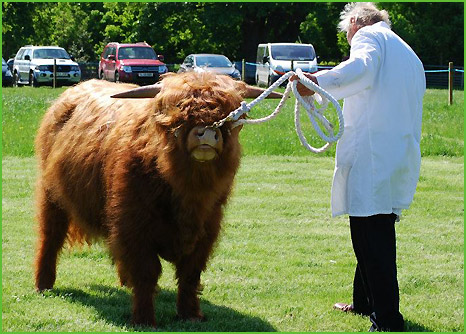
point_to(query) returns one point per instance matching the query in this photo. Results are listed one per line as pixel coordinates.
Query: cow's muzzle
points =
(205, 143)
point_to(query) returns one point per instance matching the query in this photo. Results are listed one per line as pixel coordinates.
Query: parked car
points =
(209, 62)
(275, 59)
(33, 65)
(7, 77)
(136, 63)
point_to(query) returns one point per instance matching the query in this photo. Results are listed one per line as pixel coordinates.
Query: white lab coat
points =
(378, 156)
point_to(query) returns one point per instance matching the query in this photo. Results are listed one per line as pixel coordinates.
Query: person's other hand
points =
(303, 90)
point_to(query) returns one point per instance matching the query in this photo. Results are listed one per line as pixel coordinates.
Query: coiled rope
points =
(315, 114)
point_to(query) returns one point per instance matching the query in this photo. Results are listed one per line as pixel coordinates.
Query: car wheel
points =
(32, 80)
(15, 80)
(117, 77)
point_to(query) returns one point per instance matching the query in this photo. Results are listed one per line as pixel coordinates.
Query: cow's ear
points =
(235, 131)
(140, 92)
(253, 92)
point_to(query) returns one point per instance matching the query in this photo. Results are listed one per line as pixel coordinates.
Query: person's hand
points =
(303, 90)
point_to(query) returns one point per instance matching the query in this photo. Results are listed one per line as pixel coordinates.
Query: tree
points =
(175, 29)
(434, 30)
(320, 29)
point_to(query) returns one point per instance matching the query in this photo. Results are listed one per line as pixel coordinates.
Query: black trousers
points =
(375, 288)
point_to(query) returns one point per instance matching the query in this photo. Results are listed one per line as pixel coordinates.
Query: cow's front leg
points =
(188, 272)
(138, 266)
(141, 272)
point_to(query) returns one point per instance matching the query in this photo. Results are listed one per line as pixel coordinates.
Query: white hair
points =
(364, 13)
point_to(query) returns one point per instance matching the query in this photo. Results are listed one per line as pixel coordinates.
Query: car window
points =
(19, 56)
(112, 51)
(293, 52)
(28, 52)
(260, 54)
(189, 60)
(136, 53)
(3, 62)
(50, 54)
(106, 53)
(213, 61)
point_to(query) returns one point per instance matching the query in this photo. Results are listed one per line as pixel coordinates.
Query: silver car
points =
(33, 65)
(209, 62)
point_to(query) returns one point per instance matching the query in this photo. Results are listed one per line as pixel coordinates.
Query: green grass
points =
(280, 264)
(281, 261)
(22, 111)
(442, 132)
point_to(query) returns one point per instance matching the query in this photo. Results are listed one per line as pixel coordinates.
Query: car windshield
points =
(3, 62)
(136, 53)
(293, 52)
(213, 61)
(51, 54)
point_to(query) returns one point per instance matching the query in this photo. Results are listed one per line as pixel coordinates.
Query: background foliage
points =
(176, 29)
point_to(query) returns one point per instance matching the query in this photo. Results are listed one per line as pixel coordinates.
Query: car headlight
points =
(279, 70)
(42, 68)
(163, 69)
(75, 68)
(126, 69)
(236, 74)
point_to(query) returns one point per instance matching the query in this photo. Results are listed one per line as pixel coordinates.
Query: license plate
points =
(146, 74)
(62, 74)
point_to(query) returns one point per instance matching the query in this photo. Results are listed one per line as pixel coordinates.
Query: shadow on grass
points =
(114, 306)
(415, 327)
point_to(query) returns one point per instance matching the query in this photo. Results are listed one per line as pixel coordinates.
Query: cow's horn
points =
(253, 92)
(141, 92)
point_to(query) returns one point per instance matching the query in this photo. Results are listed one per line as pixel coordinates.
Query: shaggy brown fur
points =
(115, 169)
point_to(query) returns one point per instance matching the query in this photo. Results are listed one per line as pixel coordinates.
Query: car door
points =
(108, 63)
(25, 65)
(103, 63)
(111, 64)
(261, 69)
(264, 69)
(18, 61)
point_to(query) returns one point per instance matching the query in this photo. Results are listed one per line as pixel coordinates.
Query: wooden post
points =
(54, 73)
(243, 69)
(450, 83)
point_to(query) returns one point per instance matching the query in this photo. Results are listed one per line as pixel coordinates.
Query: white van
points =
(275, 59)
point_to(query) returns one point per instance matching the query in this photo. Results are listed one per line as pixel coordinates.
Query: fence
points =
(436, 76)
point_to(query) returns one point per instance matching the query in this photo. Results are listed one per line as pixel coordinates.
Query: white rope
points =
(315, 114)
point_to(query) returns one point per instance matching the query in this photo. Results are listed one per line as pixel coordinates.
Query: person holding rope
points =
(378, 156)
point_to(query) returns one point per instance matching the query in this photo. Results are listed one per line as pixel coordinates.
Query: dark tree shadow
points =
(114, 306)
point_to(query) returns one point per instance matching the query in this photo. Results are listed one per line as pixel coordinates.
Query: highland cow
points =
(145, 174)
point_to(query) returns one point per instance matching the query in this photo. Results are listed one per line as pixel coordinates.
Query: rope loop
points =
(315, 114)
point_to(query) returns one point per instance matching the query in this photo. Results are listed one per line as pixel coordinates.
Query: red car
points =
(137, 63)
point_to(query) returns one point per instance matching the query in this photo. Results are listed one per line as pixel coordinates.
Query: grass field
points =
(281, 262)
